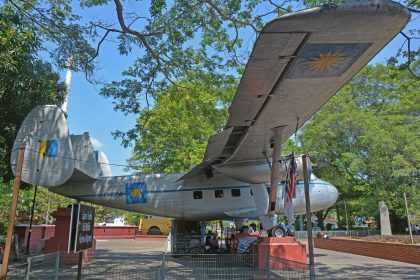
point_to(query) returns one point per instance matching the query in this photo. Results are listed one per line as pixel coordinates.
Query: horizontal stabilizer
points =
(48, 159)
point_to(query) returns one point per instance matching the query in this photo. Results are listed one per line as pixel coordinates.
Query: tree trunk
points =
(398, 224)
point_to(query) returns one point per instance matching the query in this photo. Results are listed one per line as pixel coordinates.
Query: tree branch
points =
(226, 17)
(96, 54)
(408, 39)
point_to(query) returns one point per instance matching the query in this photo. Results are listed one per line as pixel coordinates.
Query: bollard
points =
(57, 265)
(28, 269)
(163, 266)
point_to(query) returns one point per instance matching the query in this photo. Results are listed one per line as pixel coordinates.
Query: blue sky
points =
(88, 111)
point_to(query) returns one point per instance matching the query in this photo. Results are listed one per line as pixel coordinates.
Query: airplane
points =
(299, 61)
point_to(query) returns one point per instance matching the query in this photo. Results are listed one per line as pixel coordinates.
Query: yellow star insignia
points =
(326, 62)
(135, 193)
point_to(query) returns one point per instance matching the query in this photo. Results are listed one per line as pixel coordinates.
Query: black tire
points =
(154, 230)
(277, 231)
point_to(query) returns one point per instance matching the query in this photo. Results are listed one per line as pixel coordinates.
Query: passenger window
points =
(236, 192)
(198, 195)
(218, 193)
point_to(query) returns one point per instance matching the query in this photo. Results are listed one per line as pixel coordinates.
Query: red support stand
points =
(285, 248)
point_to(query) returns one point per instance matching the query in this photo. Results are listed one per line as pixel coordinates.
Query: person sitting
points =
(323, 235)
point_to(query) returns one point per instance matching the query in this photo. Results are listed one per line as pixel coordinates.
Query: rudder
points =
(48, 159)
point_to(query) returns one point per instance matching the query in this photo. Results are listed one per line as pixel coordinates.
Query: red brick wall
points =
(389, 251)
(108, 232)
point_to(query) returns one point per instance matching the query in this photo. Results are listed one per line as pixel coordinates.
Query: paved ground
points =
(329, 264)
(336, 265)
(130, 246)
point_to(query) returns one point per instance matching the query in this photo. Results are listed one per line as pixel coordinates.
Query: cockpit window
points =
(218, 193)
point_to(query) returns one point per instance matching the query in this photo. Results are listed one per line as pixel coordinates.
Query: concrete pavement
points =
(328, 264)
(337, 265)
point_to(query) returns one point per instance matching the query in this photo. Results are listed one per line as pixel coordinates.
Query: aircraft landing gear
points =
(277, 231)
(280, 231)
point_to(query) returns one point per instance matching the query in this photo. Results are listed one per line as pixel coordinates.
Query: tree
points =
(170, 39)
(367, 139)
(25, 81)
(172, 136)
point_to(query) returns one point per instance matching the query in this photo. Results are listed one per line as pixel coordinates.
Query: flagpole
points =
(408, 219)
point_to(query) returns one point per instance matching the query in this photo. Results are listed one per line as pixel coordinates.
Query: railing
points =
(351, 233)
(161, 266)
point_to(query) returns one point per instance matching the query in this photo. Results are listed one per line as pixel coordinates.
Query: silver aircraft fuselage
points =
(219, 197)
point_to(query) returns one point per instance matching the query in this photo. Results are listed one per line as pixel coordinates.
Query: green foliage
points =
(366, 134)
(173, 135)
(46, 203)
(25, 81)
(169, 39)
(130, 218)
(55, 22)
(180, 39)
(366, 138)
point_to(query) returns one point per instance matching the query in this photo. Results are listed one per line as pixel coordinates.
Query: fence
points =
(161, 266)
(352, 233)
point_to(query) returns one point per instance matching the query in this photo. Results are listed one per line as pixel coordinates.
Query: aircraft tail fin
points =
(85, 162)
(52, 155)
(103, 164)
(49, 158)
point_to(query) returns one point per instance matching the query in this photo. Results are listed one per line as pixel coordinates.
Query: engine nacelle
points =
(257, 172)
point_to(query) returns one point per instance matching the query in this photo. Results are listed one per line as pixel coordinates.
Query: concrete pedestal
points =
(60, 241)
(39, 233)
(285, 248)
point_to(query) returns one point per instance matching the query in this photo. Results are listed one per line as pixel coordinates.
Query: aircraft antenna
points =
(65, 105)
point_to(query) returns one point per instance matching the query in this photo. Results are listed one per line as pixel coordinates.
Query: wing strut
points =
(278, 133)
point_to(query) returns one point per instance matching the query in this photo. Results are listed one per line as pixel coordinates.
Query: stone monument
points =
(385, 222)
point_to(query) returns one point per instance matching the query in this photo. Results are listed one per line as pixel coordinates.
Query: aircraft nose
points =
(332, 193)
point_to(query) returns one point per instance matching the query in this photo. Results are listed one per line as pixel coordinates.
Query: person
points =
(235, 244)
(208, 243)
(214, 243)
(416, 229)
(323, 235)
(228, 242)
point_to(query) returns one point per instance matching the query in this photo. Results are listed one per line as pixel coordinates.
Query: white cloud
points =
(96, 143)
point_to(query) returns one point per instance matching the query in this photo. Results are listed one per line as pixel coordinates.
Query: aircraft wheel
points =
(154, 230)
(277, 231)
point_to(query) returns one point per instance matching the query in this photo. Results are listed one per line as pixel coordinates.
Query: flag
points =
(290, 190)
(48, 148)
(136, 192)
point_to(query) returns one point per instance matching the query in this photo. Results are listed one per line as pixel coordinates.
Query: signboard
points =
(82, 223)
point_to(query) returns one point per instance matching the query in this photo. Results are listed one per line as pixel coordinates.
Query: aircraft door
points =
(260, 196)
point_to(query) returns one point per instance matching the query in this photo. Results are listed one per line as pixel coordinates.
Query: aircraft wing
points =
(298, 63)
